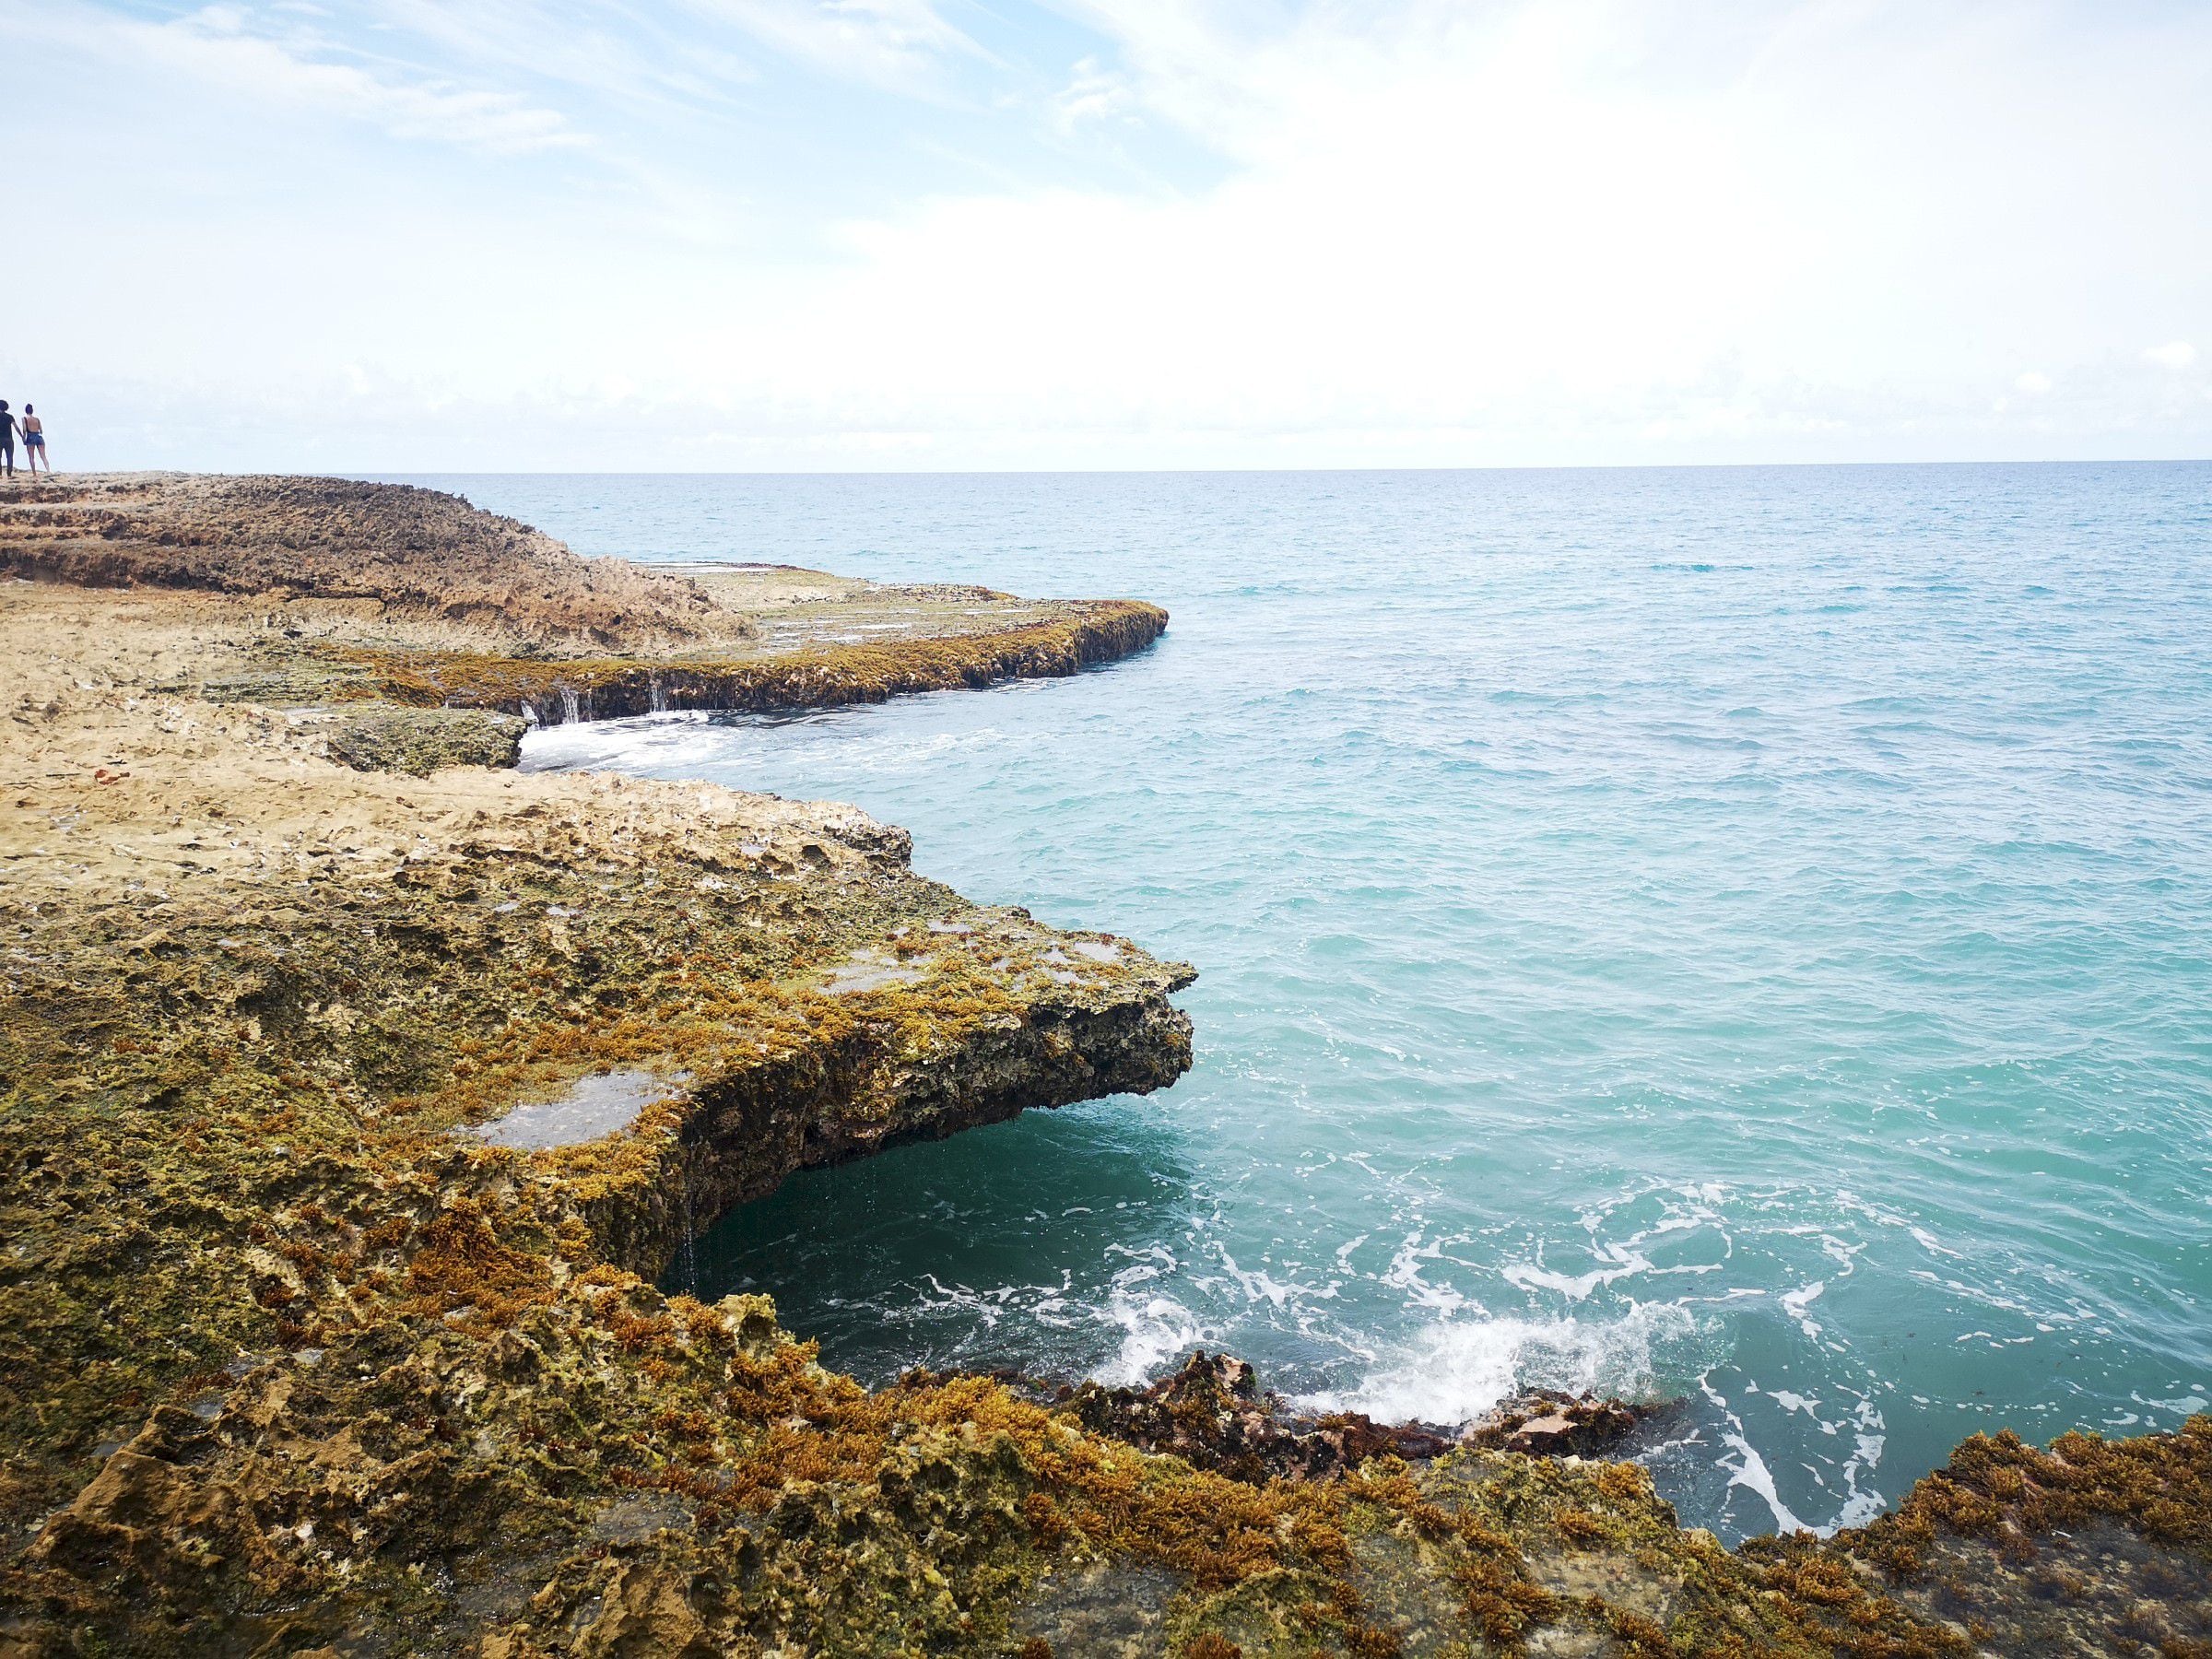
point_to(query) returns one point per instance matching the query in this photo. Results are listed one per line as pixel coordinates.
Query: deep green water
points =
(1736, 935)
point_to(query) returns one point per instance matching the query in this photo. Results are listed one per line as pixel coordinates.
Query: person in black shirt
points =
(7, 440)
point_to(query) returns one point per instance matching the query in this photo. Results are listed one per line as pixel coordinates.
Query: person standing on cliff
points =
(7, 441)
(34, 442)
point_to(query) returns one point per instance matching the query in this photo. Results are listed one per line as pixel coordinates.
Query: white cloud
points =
(217, 47)
(1538, 220)
(897, 45)
(1422, 232)
(609, 47)
(1092, 94)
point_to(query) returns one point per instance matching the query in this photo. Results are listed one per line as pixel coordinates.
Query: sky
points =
(858, 235)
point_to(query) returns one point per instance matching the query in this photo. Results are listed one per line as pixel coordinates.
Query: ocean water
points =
(1742, 936)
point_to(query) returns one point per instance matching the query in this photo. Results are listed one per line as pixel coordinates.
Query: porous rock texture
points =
(291, 1363)
(408, 552)
(377, 737)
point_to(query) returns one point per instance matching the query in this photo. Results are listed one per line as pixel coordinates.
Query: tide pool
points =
(1736, 935)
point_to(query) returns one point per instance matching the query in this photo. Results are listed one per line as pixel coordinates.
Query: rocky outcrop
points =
(553, 693)
(400, 550)
(352, 592)
(239, 1198)
(1214, 1415)
(259, 1011)
(421, 741)
(305, 1350)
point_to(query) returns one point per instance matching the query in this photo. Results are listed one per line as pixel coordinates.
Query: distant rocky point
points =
(345, 592)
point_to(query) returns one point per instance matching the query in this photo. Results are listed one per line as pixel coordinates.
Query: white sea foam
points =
(1458, 1368)
(1404, 1274)
(1861, 1504)
(1155, 1329)
(1525, 1275)
(1750, 1472)
(1260, 1285)
(1797, 1301)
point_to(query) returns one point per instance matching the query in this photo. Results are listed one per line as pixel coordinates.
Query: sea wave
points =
(1459, 1368)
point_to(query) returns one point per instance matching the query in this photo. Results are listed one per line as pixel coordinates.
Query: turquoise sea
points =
(1735, 936)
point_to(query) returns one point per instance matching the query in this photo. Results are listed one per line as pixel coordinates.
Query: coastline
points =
(227, 1159)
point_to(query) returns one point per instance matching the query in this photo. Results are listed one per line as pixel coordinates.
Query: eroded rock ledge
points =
(314, 591)
(294, 1359)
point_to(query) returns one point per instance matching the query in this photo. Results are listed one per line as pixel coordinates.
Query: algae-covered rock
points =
(421, 741)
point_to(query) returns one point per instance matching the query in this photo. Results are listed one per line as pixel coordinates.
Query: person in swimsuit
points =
(34, 442)
(7, 440)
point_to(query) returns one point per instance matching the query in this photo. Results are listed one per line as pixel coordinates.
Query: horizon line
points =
(1135, 472)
